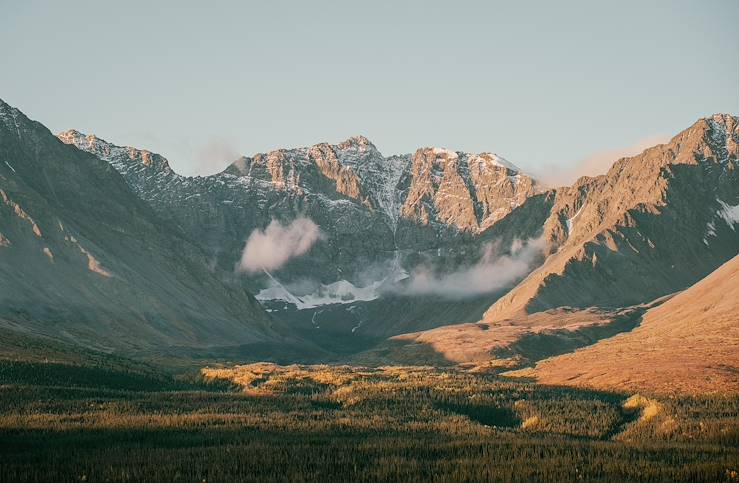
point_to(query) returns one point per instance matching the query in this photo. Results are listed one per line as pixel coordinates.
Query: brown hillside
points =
(690, 344)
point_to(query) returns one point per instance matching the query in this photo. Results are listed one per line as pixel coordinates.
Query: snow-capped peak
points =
(444, 152)
(501, 161)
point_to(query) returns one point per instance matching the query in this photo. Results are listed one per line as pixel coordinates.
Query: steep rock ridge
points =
(83, 259)
(469, 191)
(306, 170)
(121, 158)
(347, 181)
(654, 224)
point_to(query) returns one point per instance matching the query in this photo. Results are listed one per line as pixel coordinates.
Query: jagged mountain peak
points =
(77, 138)
(723, 118)
(4, 106)
(499, 160)
(122, 158)
(349, 153)
(9, 115)
(484, 158)
(356, 142)
(434, 186)
(72, 134)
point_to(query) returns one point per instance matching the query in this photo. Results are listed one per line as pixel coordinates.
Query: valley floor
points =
(263, 422)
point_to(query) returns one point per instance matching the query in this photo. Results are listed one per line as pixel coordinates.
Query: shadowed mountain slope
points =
(84, 260)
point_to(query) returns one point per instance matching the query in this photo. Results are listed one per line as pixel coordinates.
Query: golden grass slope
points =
(508, 343)
(688, 345)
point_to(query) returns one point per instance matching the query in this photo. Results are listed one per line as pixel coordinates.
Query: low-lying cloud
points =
(273, 247)
(492, 273)
(214, 156)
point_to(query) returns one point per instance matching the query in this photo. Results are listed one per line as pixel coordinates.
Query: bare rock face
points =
(471, 192)
(347, 181)
(654, 224)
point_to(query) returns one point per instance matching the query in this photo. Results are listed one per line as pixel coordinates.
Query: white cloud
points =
(492, 273)
(215, 155)
(273, 247)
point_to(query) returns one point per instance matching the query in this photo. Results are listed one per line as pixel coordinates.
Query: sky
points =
(554, 87)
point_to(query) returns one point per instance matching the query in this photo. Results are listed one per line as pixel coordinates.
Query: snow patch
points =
(729, 213)
(710, 229)
(502, 162)
(444, 151)
(387, 193)
(340, 292)
(570, 221)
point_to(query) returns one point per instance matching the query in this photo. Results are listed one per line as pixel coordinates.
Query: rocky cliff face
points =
(469, 191)
(83, 259)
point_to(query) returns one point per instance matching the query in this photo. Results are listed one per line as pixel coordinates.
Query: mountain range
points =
(438, 256)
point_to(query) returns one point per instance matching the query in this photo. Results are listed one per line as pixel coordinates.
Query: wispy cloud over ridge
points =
(492, 273)
(273, 247)
(596, 163)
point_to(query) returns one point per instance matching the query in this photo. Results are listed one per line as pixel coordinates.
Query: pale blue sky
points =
(544, 84)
